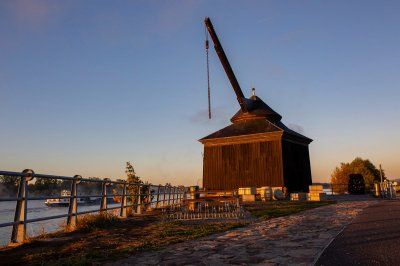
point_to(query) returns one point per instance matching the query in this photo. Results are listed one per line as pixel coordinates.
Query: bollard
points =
(158, 197)
(103, 203)
(122, 212)
(73, 203)
(19, 230)
(139, 202)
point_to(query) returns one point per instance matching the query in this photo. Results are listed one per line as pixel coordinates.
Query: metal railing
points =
(208, 205)
(133, 195)
(342, 188)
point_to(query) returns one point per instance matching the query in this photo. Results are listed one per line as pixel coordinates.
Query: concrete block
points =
(247, 191)
(265, 193)
(316, 196)
(298, 196)
(248, 198)
(316, 188)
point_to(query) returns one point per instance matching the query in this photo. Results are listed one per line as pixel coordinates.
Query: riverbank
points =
(133, 236)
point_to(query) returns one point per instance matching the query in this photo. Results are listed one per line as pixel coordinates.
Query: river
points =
(36, 209)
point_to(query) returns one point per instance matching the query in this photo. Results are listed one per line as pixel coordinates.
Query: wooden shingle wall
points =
(253, 164)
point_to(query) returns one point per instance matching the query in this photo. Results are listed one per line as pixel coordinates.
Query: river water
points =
(36, 209)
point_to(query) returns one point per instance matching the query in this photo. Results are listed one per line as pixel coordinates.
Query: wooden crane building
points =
(257, 149)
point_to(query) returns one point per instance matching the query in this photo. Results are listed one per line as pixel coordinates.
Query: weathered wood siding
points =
(253, 164)
(296, 166)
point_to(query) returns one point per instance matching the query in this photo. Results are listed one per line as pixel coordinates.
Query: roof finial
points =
(253, 91)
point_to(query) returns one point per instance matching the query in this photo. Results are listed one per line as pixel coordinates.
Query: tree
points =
(131, 177)
(9, 185)
(340, 176)
(47, 186)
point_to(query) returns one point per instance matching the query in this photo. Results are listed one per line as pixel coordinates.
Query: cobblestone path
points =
(295, 239)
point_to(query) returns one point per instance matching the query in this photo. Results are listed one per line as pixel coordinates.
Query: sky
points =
(87, 85)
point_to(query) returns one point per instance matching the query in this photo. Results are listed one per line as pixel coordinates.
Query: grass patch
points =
(179, 229)
(91, 222)
(271, 209)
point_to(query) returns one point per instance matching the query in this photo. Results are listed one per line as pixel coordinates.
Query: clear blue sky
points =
(88, 85)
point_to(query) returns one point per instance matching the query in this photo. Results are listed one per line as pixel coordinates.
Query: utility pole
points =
(380, 172)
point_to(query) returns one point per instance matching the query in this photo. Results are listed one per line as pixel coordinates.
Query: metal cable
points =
(208, 76)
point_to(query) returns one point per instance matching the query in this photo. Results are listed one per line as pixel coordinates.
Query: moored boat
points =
(63, 201)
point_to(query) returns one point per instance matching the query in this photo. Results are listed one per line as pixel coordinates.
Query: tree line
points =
(53, 187)
(46, 186)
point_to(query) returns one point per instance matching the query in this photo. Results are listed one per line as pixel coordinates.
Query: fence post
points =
(122, 212)
(184, 196)
(169, 195)
(73, 203)
(164, 195)
(178, 195)
(19, 230)
(139, 201)
(173, 195)
(103, 203)
(181, 194)
(148, 198)
(158, 197)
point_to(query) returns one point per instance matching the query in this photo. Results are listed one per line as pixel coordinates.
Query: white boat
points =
(64, 202)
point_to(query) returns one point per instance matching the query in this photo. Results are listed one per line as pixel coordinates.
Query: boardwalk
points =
(373, 238)
(297, 239)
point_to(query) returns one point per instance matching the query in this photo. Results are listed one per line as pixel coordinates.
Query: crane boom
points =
(225, 63)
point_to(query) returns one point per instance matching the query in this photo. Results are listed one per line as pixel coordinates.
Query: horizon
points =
(86, 88)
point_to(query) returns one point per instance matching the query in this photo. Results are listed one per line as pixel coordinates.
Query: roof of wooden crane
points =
(260, 118)
(256, 108)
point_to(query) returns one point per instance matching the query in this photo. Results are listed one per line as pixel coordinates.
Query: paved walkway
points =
(296, 239)
(373, 238)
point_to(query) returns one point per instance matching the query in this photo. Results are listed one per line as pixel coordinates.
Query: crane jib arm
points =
(225, 63)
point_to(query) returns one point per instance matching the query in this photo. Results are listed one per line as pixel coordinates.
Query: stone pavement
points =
(373, 238)
(295, 239)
